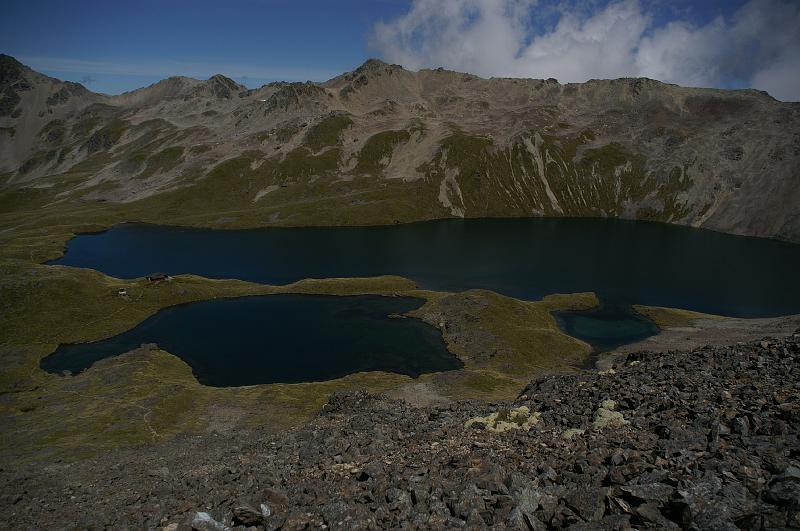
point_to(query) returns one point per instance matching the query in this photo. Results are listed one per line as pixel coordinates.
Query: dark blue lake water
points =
(291, 338)
(608, 327)
(624, 262)
(279, 338)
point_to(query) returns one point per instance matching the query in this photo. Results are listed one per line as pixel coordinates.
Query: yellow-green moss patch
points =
(519, 418)
(672, 317)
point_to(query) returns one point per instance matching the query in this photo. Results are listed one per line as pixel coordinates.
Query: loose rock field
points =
(701, 439)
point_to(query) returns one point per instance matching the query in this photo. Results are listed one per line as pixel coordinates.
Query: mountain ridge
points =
(382, 144)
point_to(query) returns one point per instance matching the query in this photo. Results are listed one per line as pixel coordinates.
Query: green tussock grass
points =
(164, 160)
(605, 159)
(672, 317)
(327, 132)
(378, 149)
(223, 199)
(141, 396)
(284, 134)
(90, 165)
(85, 126)
(468, 154)
(525, 341)
(107, 136)
(582, 180)
(479, 179)
(300, 163)
(150, 395)
(669, 192)
(483, 384)
(531, 334)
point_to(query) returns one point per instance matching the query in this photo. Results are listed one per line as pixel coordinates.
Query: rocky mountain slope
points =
(704, 439)
(382, 144)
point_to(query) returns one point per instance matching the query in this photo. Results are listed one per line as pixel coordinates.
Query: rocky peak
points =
(11, 70)
(376, 66)
(370, 70)
(224, 87)
(13, 80)
(170, 87)
(294, 96)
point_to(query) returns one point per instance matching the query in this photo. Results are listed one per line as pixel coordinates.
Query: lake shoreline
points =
(269, 347)
(628, 262)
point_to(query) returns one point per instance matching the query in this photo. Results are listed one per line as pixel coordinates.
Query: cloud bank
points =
(757, 46)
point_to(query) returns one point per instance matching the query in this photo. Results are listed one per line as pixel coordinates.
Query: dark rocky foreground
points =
(706, 439)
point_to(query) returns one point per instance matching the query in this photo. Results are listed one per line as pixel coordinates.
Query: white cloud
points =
(781, 78)
(758, 46)
(479, 36)
(599, 47)
(681, 53)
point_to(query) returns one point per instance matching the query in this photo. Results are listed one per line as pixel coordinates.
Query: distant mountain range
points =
(382, 144)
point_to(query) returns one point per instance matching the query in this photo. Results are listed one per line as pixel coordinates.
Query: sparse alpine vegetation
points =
(382, 144)
(327, 132)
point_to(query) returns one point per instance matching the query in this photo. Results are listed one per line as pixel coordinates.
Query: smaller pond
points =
(279, 339)
(608, 327)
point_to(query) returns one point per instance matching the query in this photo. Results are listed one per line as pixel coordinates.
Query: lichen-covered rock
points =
(519, 418)
(605, 416)
(572, 432)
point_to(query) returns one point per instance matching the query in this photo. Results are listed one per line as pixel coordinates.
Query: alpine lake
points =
(296, 338)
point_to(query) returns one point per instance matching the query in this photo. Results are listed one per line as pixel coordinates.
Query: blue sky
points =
(140, 41)
(113, 46)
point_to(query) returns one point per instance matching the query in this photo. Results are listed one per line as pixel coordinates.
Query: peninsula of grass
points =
(149, 395)
(666, 318)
